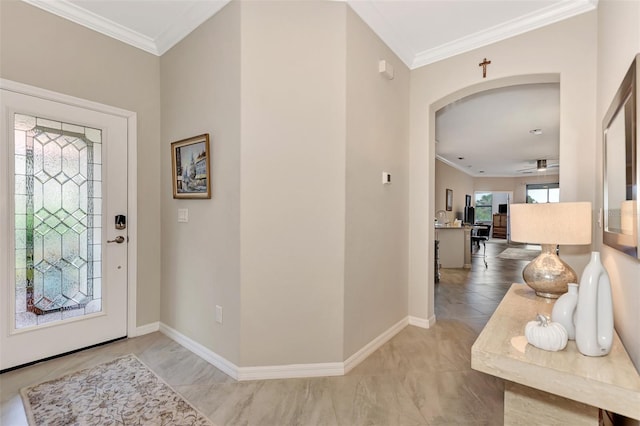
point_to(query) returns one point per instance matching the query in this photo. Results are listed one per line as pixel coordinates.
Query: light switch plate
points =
(183, 215)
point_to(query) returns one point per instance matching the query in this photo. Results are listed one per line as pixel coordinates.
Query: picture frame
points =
(190, 168)
(449, 201)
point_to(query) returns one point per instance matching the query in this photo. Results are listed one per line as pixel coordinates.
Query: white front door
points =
(63, 190)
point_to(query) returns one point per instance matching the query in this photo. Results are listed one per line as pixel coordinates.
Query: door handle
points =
(119, 239)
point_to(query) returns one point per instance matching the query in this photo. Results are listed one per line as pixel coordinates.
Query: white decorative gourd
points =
(547, 335)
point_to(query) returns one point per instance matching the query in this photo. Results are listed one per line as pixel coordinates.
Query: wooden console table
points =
(565, 387)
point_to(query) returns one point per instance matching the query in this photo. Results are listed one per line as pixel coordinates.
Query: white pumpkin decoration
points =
(547, 335)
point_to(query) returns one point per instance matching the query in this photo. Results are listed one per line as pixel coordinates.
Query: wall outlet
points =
(219, 314)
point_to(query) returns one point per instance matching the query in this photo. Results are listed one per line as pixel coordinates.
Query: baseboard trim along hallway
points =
(289, 371)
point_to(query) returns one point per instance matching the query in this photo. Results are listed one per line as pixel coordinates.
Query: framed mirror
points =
(621, 174)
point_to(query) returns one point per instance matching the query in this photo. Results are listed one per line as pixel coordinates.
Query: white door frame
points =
(132, 151)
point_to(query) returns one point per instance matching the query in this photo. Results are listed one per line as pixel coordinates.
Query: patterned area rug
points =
(120, 392)
(519, 254)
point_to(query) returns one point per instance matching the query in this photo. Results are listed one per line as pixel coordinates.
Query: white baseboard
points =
(292, 371)
(284, 371)
(422, 322)
(146, 329)
(373, 345)
(207, 354)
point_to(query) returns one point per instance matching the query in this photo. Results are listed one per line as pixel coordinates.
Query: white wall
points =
(618, 43)
(377, 216)
(201, 258)
(293, 181)
(43, 50)
(566, 50)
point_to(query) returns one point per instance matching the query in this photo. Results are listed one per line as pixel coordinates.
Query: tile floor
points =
(420, 377)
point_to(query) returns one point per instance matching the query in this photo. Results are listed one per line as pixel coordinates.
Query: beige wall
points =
(566, 49)
(516, 185)
(40, 49)
(447, 177)
(293, 181)
(377, 216)
(618, 43)
(201, 258)
(303, 276)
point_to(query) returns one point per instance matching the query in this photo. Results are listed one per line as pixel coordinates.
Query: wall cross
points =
(484, 64)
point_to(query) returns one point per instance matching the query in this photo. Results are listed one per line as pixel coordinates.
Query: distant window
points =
(543, 193)
(484, 201)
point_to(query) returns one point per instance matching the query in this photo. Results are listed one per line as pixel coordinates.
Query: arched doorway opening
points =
(433, 108)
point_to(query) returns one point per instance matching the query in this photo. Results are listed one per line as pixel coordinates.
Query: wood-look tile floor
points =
(420, 377)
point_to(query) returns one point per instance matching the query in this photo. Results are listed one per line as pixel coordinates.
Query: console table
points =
(565, 387)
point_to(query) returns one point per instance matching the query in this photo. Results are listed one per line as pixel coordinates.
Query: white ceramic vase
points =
(594, 314)
(564, 310)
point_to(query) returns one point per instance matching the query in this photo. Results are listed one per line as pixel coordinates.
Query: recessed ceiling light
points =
(535, 131)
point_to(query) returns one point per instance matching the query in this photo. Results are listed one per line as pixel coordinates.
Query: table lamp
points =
(550, 224)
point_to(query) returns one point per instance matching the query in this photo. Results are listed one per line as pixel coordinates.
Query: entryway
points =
(63, 223)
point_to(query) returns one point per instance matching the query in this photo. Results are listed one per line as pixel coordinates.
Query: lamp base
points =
(549, 275)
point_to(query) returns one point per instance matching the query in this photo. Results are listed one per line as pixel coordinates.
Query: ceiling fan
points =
(540, 166)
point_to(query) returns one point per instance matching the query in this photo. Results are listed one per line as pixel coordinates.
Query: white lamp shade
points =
(551, 223)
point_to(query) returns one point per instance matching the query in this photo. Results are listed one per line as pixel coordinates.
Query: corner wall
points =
(377, 215)
(447, 177)
(618, 43)
(293, 182)
(201, 259)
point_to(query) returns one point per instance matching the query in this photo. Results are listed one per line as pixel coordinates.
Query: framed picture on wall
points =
(190, 167)
(449, 202)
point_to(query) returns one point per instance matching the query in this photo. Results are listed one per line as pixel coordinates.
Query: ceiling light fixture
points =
(541, 165)
(536, 131)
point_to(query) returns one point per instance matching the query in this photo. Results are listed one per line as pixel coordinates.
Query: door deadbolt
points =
(119, 239)
(120, 221)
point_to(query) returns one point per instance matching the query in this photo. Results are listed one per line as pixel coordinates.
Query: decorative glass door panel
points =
(64, 272)
(57, 220)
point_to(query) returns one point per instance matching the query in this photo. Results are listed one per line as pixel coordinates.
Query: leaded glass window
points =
(58, 219)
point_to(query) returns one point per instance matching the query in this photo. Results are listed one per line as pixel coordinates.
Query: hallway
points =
(420, 377)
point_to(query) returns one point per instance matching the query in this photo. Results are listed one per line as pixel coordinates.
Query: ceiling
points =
(420, 32)
(502, 132)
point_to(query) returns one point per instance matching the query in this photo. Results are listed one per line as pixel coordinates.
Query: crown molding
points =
(203, 10)
(540, 18)
(193, 17)
(70, 11)
(488, 175)
(370, 14)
